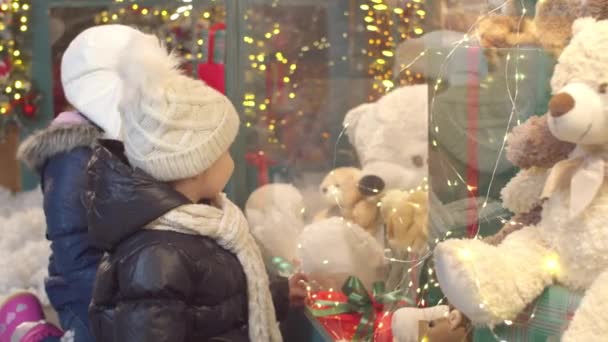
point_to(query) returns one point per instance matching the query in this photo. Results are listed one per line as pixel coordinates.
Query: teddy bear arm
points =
(589, 323)
(365, 213)
(525, 36)
(488, 283)
(323, 214)
(398, 224)
(506, 229)
(522, 193)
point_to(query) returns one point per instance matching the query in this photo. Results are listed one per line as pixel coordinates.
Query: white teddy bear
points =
(390, 137)
(329, 250)
(275, 216)
(332, 250)
(491, 284)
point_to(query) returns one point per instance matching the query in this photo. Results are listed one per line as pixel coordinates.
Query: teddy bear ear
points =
(353, 117)
(581, 24)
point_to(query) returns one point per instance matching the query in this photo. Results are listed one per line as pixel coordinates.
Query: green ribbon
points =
(360, 301)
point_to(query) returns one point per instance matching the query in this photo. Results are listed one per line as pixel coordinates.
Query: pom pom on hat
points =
(90, 77)
(146, 72)
(174, 127)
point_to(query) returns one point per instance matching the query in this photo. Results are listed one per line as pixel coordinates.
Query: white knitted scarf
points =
(227, 225)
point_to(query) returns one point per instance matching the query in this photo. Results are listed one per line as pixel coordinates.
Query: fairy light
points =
(551, 264)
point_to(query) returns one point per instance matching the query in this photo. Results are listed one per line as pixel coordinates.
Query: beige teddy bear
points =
(405, 216)
(344, 197)
(550, 28)
(569, 246)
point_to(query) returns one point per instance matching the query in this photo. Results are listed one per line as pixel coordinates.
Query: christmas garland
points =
(18, 98)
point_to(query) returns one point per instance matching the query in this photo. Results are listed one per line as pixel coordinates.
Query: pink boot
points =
(22, 320)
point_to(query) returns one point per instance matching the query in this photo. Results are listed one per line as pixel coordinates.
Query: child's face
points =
(215, 178)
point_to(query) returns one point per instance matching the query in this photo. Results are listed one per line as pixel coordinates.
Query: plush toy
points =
(491, 284)
(331, 250)
(435, 324)
(550, 27)
(505, 31)
(341, 191)
(391, 139)
(405, 216)
(532, 148)
(275, 216)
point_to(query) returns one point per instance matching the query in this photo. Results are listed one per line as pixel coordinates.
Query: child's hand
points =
(297, 290)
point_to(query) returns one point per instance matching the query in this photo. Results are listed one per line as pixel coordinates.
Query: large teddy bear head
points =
(390, 137)
(579, 107)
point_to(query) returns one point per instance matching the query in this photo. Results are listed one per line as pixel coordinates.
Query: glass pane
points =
(328, 110)
(306, 67)
(183, 27)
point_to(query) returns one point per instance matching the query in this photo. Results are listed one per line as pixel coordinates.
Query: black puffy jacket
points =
(155, 286)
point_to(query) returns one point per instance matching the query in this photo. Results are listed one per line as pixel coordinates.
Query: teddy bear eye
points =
(603, 87)
(418, 161)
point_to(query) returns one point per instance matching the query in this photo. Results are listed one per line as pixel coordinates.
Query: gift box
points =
(544, 320)
(354, 314)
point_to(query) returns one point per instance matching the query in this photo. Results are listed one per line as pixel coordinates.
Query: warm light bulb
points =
(465, 254)
(552, 264)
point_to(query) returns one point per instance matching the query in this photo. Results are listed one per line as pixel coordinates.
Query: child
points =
(175, 270)
(60, 154)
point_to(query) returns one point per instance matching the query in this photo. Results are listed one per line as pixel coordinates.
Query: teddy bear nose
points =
(371, 185)
(561, 104)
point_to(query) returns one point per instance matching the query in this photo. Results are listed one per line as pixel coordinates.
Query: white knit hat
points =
(174, 127)
(89, 73)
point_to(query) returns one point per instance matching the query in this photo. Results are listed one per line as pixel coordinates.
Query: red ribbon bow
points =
(261, 162)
